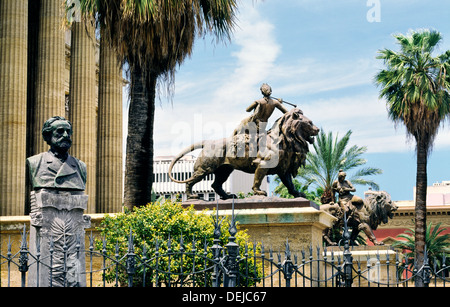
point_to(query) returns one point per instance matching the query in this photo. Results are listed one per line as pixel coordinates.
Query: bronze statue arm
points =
(252, 106)
(351, 187)
(280, 106)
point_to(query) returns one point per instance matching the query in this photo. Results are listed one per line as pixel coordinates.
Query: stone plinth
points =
(57, 235)
(273, 220)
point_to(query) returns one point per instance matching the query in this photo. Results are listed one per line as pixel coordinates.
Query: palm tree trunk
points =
(421, 205)
(139, 152)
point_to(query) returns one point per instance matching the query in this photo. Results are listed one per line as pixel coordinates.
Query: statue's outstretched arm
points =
(281, 107)
(252, 106)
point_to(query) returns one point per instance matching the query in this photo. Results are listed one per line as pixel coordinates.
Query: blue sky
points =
(318, 54)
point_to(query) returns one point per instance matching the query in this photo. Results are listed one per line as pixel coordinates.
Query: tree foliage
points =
(283, 192)
(415, 84)
(152, 37)
(437, 244)
(330, 154)
(164, 228)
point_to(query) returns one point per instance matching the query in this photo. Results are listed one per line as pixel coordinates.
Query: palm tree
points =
(283, 192)
(416, 87)
(330, 155)
(152, 37)
(437, 244)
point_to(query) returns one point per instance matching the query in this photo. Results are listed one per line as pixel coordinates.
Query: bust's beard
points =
(62, 145)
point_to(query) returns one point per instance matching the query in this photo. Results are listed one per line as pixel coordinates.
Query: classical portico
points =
(49, 68)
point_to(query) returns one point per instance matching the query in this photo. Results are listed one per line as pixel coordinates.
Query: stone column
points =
(50, 96)
(13, 104)
(83, 102)
(110, 148)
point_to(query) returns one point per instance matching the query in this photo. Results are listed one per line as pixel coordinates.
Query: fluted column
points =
(13, 105)
(50, 95)
(83, 103)
(110, 148)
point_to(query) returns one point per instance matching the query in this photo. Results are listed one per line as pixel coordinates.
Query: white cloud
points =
(212, 107)
(255, 59)
(365, 115)
(312, 76)
(209, 105)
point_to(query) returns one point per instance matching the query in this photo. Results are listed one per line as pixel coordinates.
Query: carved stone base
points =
(57, 239)
(274, 220)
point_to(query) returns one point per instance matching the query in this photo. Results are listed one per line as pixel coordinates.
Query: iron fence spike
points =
(131, 242)
(38, 243)
(117, 247)
(24, 237)
(144, 249)
(9, 244)
(91, 240)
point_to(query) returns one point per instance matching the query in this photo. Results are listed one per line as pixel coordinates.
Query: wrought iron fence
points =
(217, 266)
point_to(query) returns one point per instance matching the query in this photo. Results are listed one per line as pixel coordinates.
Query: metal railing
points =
(217, 266)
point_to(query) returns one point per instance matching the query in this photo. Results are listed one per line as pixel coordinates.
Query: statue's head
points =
(266, 90)
(57, 132)
(341, 175)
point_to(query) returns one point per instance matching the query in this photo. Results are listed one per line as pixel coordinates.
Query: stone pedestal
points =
(276, 221)
(57, 238)
(273, 220)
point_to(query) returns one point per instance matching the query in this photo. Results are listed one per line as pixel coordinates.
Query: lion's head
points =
(382, 208)
(298, 130)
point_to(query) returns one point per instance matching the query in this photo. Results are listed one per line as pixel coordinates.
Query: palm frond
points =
(415, 83)
(330, 154)
(160, 33)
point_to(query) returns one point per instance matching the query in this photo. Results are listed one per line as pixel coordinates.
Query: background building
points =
(438, 194)
(182, 170)
(49, 68)
(438, 211)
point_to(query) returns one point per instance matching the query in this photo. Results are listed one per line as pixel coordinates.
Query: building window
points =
(211, 196)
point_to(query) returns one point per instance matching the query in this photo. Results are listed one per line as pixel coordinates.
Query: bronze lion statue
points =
(279, 151)
(375, 209)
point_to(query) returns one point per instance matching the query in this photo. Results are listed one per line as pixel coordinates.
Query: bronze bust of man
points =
(56, 169)
(57, 204)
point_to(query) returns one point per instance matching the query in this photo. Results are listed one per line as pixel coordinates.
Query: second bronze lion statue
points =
(280, 151)
(376, 209)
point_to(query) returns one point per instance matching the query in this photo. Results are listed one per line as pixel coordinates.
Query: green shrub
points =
(155, 226)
